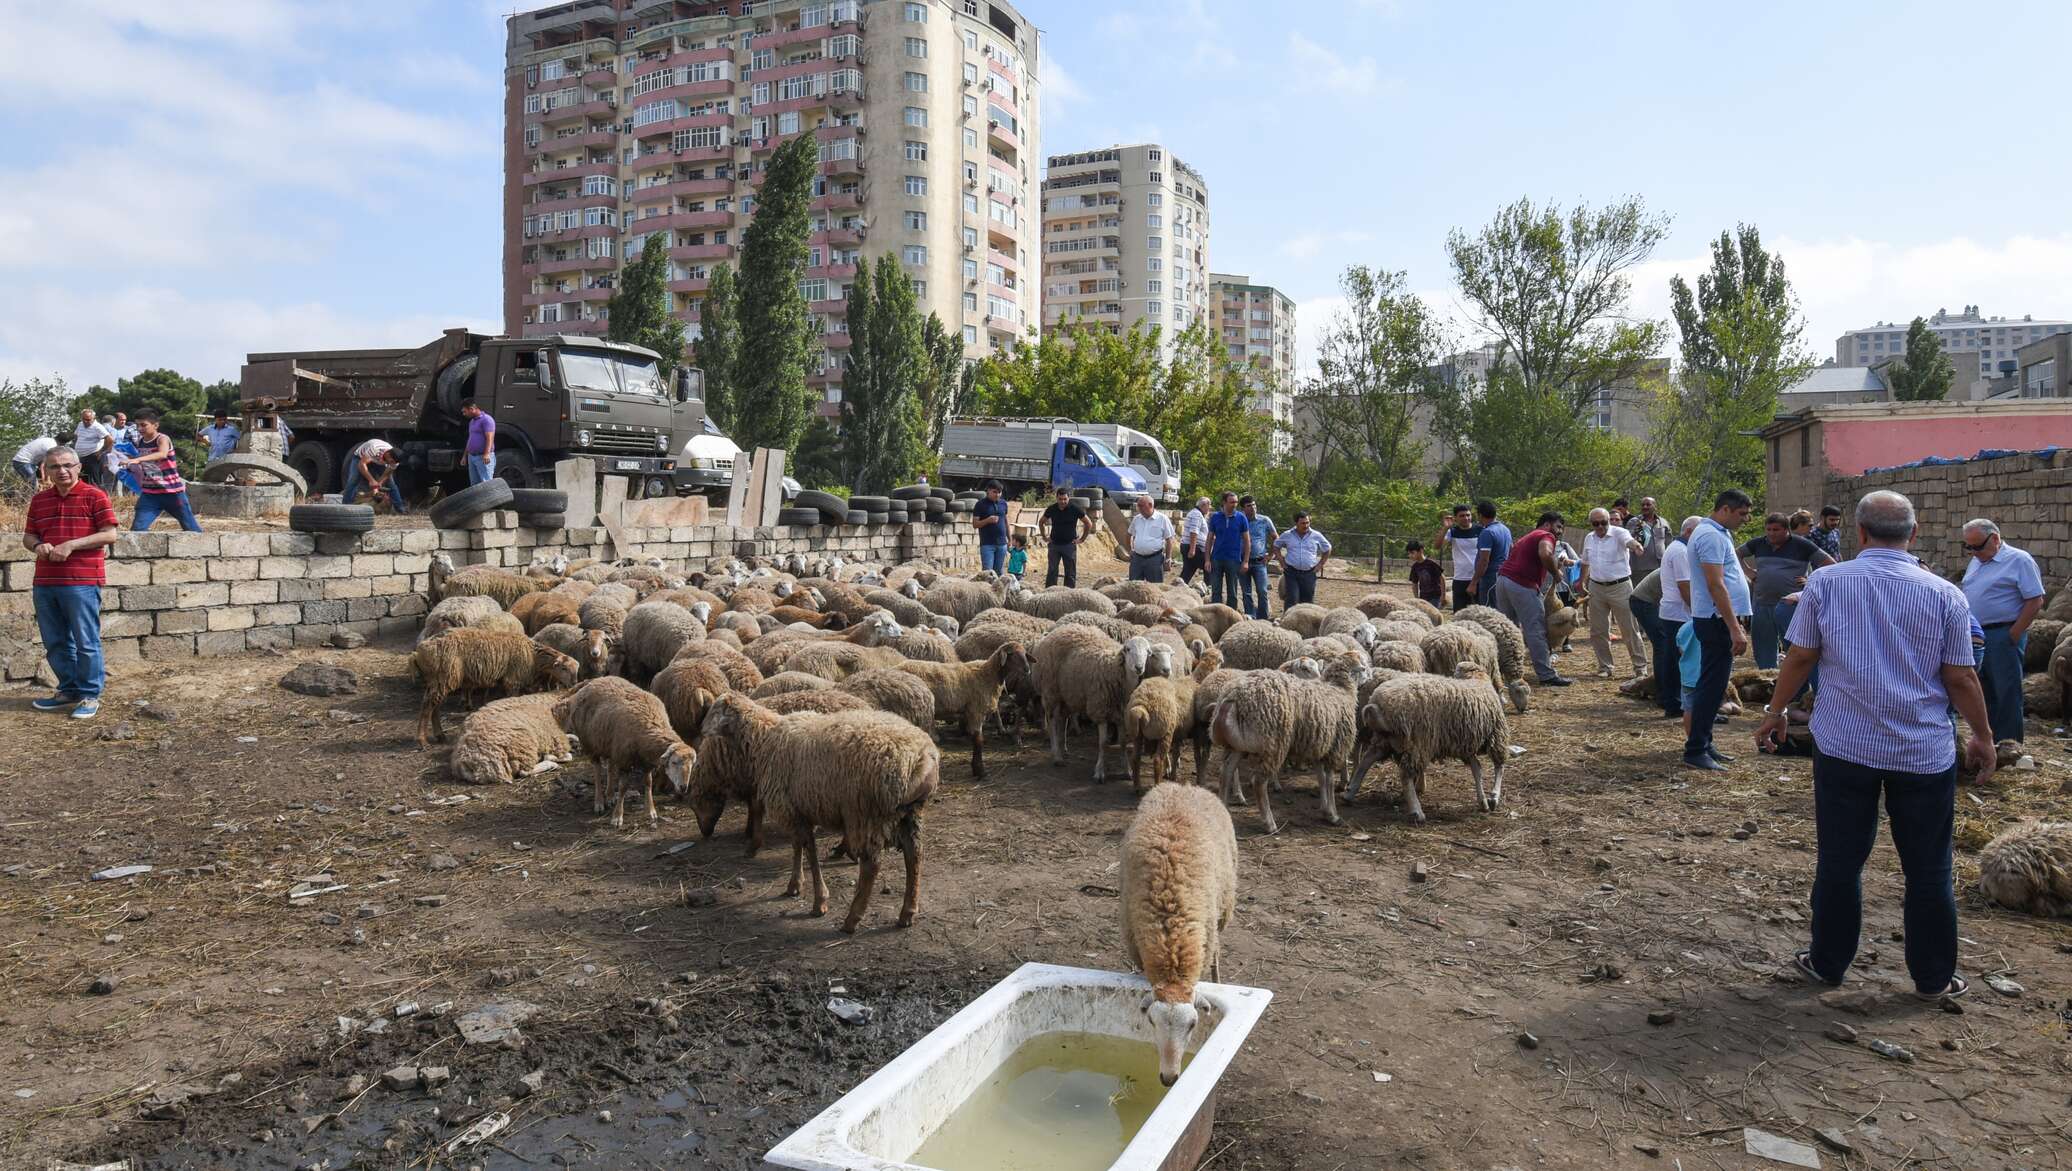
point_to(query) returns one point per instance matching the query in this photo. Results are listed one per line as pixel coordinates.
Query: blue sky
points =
(192, 181)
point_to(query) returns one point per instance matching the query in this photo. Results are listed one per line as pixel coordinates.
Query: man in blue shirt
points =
(1719, 596)
(1260, 534)
(1230, 543)
(1490, 550)
(989, 516)
(2006, 594)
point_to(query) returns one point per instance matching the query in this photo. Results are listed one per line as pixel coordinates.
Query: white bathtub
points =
(879, 1124)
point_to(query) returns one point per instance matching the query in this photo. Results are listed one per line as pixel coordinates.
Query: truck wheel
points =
(829, 505)
(658, 488)
(318, 465)
(536, 500)
(331, 518)
(469, 503)
(543, 520)
(455, 383)
(514, 467)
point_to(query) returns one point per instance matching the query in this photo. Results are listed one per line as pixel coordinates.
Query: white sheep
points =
(1082, 672)
(1455, 643)
(959, 598)
(1158, 716)
(970, 692)
(1058, 601)
(1398, 656)
(1342, 620)
(652, 634)
(606, 612)
(1418, 719)
(1179, 887)
(1113, 626)
(468, 660)
(1270, 722)
(1215, 617)
(1253, 644)
(1304, 618)
(463, 611)
(622, 729)
(785, 682)
(2029, 867)
(506, 739)
(1511, 657)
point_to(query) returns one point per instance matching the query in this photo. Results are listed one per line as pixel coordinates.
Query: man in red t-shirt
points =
(69, 527)
(1520, 582)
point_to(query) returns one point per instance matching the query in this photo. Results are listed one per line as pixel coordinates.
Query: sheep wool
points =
(1253, 644)
(823, 702)
(624, 730)
(1058, 601)
(545, 609)
(889, 689)
(489, 582)
(471, 660)
(1108, 624)
(1080, 671)
(687, 688)
(591, 649)
(602, 611)
(1159, 714)
(1510, 650)
(2029, 868)
(457, 612)
(741, 673)
(970, 692)
(1270, 723)
(1461, 642)
(1179, 888)
(1418, 719)
(785, 682)
(1304, 618)
(958, 598)
(506, 739)
(653, 633)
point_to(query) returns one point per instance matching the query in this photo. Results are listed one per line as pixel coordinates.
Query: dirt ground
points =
(680, 992)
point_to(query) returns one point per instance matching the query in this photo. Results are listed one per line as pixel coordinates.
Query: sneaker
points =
(1957, 986)
(1704, 763)
(54, 703)
(1556, 681)
(1803, 961)
(87, 709)
(1717, 755)
(1604, 672)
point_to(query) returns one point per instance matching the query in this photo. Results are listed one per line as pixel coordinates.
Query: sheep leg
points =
(1100, 753)
(1327, 785)
(619, 788)
(909, 842)
(801, 844)
(1413, 788)
(755, 827)
(866, 882)
(428, 720)
(1054, 723)
(600, 781)
(978, 749)
(1496, 785)
(654, 818)
(1266, 805)
(1135, 758)
(1370, 756)
(813, 863)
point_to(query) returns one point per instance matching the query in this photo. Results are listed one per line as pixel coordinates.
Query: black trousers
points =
(1298, 585)
(1193, 563)
(1066, 556)
(1461, 598)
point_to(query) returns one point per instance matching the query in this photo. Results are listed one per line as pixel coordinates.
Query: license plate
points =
(629, 465)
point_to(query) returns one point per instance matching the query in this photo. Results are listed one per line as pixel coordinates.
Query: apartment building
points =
(1125, 240)
(1256, 324)
(1995, 338)
(628, 118)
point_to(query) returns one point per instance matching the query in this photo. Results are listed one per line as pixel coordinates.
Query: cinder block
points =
(127, 625)
(291, 544)
(120, 650)
(131, 543)
(338, 544)
(311, 635)
(373, 564)
(409, 605)
(395, 583)
(182, 621)
(492, 539)
(193, 545)
(328, 566)
(212, 593)
(283, 567)
(169, 571)
(233, 568)
(152, 597)
(230, 618)
(179, 646)
(382, 541)
(250, 593)
(220, 642)
(277, 614)
(246, 544)
(20, 575)
(453, 539)
(420, 540)
(127, 573)
(299, 589)
(323, 612)
(269, 638)
(346, 587)
(413, 562)
(366, 609)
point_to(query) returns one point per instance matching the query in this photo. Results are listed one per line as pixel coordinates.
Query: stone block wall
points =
(2028, 495)
(173, 595)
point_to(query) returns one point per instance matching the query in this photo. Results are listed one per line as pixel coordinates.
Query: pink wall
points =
(1855, 444)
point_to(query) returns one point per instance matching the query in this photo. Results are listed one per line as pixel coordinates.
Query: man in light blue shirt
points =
(2006, 594)
(1261, 534)
(1719, 595)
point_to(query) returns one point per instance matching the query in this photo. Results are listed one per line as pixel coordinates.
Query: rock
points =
(1651, 1150)
(495, 1022)
(115, 872)
(1528, 1041)
(604, 1116)
(1850, 1000)
(703, 896)
(431, 900)
(1419, 872)
(402, 1077)
(500, 978)
(431, 1077)
(329, 920)
(102, 986)
(2004, 986)
(1601, 862)
(168, 1103)
(1740, 835)
(443, 862)
(321, 679)
(1310, 1096)
(1899, 1053)
(357, 939)
(1750, 827)
(1837, 1031)
(367, 911)
(122, 731)
(1662, 1016)
(339, 715)
(532, 1083)
(1764, 1145)
(347, 640)
(849, 1012)
(113, 937)
(1833, 1139)
(354, 1086)
(162, 712)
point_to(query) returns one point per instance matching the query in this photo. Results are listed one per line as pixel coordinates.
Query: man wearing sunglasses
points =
(2006, 594)
(1608, 553)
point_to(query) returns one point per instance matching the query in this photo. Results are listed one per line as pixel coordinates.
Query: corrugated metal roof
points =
(1840, 380)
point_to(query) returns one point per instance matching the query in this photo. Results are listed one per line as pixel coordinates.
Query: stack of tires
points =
(875, 509)
(826, 509)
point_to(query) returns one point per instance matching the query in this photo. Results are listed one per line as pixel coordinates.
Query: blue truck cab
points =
(1081, 461)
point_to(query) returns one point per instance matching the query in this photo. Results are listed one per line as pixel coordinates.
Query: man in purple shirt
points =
(1893, 642)
(481, 441)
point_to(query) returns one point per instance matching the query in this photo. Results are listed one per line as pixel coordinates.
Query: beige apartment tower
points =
(1256, 325)
(1125, 240)
(627, 118)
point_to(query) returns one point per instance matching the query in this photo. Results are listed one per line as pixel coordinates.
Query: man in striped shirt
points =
(1893, 642)
(69, 527)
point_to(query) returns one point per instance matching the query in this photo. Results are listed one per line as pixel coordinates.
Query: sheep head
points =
(1012, 661)
(597, 653)
(945, 624)
(1365, 635)
(1520, 694)
(1303, 668)
(1172, 1026)
(675, 767)
(879, 629)
(554, 669)
(911, 587)
(1469, 669)
(1207, 660)
(1159, 663)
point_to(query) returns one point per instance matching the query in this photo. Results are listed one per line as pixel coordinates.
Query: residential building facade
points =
(629, 118)
(1994, 338)
(1256, 325)
(1125, 240)
(1807, 451)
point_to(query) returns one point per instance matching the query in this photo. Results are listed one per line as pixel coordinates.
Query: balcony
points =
(564, 174)
(546, 268)
(579, 112)
(781, 39)
(663, 192)
(592, 325)
(540, 203)
(669, 126)
(834, 167)
(721, 87)
(692, 285)
(566, 235)
(687, 220)
(999, 134)
(833, 272)
(556, 297)
(839, 306)
(838, 201)
(601, 77)
(607, 137)
(840, 237)
(702, 252)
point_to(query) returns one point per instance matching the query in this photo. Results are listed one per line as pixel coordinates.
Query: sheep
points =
(785, 682)
(2060, 672)
(1418, 719)
(622, 728)
(969, 692)
(1461, 642)
(572, 587)
(960, 599)
(1159, 714)
(652, 634)
(824, 702)
(591, 649)
(925, 644)
(1510, 650)
(508, 738)
(644, 579)
(1060, 601)
(889, 689)
(486, 581)
(1216, 618)
(866, 774)
(1304, 618)
(1134, 592)
(1108, 624)
(1379, 605)
(1270, 722)
(906, 610)
(1398, 656)
(602, 611)
(1342, 620)
(464, 660)
(545, 609)
(742, 625)
(1397, 630)
(1179, 887)
(1562, 619)
(840, 599)
(463, 611)
(1139, 614)
(836, 661)
(1426, 611)
(2042, 639)
(742, 673)
(1334, 646)
(595, 573)
(722, 637)
(687, 688)
(1253, 644)
(1080, 671)
(2043, 697)
(2029, 867)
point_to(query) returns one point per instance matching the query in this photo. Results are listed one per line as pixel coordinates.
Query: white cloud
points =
(1318, 66)
(1060, 90)
(1306, 245)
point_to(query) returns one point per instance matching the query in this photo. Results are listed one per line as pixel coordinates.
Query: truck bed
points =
(366, 389)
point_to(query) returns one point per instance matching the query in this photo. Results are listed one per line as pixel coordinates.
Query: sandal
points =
(1957, 986)
(1803, 961)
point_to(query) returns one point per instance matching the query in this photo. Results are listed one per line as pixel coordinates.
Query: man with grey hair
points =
(1608, 552)
(2006, 594)
(1893, 642)
(1672, 616)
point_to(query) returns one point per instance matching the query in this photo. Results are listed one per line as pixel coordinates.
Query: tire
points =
(469, 503)
(942, 494)
(897, 513)
(961, 508)
(538, 500)
(514, 467)
(331, 518)
(455, 383)
(657, 488)
(856, 518)
(318, 464)
(870, 503)
(1095, 493)
(970, 496)
(936, 507)
(829, 505)
(798, 516)
(543, 520)
(879, 518)
(911, 492)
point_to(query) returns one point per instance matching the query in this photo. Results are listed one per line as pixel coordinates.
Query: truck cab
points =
(1081, 461)
(1149, 458)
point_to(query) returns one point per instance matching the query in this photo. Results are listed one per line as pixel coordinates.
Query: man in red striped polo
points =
(69, 527)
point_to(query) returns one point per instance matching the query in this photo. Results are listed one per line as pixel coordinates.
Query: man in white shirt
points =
(1194, 540)
(1463, 538)
(28, 460)
(90, 442)
(372, 465)
(1608, 576)
(1151, 541)
(1671, 616)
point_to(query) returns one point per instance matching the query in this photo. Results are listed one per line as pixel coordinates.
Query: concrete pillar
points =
(578, 477)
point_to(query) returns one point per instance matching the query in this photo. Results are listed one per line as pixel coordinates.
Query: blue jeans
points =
(1845, 819)
(26, 471)
(1223, 579)
(1662, 642)
(353, 484)
(1715, 663)
(480, 468)
(993, 557)
(1254, 582)
(1766, 631)
(2001, 674)
(69, 620)
(151, 504)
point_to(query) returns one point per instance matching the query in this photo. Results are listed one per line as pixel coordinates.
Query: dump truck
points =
(1057, 453)
(552, 397)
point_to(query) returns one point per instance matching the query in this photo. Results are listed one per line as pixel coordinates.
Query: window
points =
(970, 172)
(1156, 155)
(1154, 287)
(917, 221)
(920, 290)
(914, 254)
(814, 289)
(1154, 243)
(917, 184)
(916, 152)
(970, 203)
(971, 302)
(846, 45)
(788, 122)
(760, 95)
(916, 116)
(1154, 308)
(970, 73)
(1154, 264)
(762, 59)
(971, 237)
(917, 83)
(970, 269)
(971, 335)
(916, 47)
(971, 41)
(1154, 220)
(1157, 177)
(970, 138)
(916, 14)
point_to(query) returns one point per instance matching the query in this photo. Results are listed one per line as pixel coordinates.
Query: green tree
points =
(1200, 408)
(719, 345)
(223, 395)
(1374, 378)
(33, 407)
(1925, 372)
(817, 462)
(880, 406)
(639, 310)
(1552, 288)
(771, 400)
(948, 383)
(1741, 333)
(1077, 371)
(181, 400)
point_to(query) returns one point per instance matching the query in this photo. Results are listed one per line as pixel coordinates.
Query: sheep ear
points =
(1370, 714)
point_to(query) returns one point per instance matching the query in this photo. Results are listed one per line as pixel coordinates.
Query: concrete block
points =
(193, 545)
(152, 597)
(167, 647)
(233, 569)
(413, 562)
(127, 625)
(308, 636)
(246, 544)
(366, 609)
(220, 642)
(291, 544)
(277, 614)
(419, 540)
(20, 575)
(323, 612)
(120, 650)
(382, 541)
(269, 638)
(248, 593)
(409, 605)
(230, 618)
(453, 539)
(328, 566)
(382, 587)
(167, 571)
(127, 573)
(578, 478)
(346, 587)
(338, 544)
(492, 539)
(198, 594)
(373, 564)
(283, 567)
(240, 502)
(131, 543)
(300, 589)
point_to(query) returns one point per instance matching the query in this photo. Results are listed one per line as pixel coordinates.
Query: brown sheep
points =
(741, 673)
(621, 729)
(891, 690)
(1179, 887)
(969, 692)
(467, 660)
(823, 702)
(686, 688)
(2029, 867)
(541, 610)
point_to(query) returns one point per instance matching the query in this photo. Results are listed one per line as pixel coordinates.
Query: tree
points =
(223, 395)
(1551, 287)
(181, 400)
(817, 461)
(1741, 334)
(1925, 372)
(33, 407)
(771, 401)
(948, 383)
(1374, 376)
(1078, 371)
(640, 312)
(880, 407)
(719, 345)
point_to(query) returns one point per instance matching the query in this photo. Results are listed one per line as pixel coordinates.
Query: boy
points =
(1426, 579)
(1018, 557)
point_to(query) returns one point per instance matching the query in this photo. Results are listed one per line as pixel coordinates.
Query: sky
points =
(196, 181)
